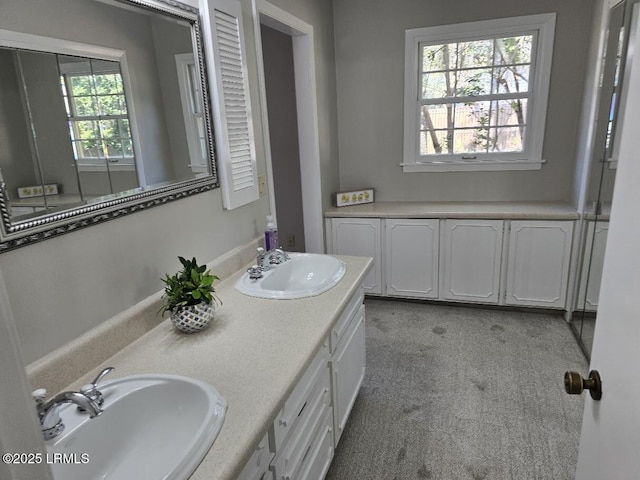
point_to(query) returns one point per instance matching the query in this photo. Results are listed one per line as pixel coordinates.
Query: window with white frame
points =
(191, 99)
(476, 94)
(96, 107)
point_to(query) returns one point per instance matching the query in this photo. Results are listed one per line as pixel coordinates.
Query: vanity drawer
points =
(293, 407)
(318, 460)
(338, 330)
(257, 468)
(291, 459)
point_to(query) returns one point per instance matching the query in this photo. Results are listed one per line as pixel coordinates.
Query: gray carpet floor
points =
(454, 393)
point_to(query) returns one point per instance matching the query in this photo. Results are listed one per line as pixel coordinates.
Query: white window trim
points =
(530, 159)
(197, 162)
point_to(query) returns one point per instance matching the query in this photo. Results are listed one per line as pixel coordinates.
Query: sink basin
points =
(152, 426)
(304, 275)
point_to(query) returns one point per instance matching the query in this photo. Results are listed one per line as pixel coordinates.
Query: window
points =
(476, 94)
(97, 114)
(191, 99)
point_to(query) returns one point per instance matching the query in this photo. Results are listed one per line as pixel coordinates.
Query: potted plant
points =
(189, 296)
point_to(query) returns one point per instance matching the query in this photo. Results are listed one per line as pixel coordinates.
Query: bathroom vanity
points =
(289, 370)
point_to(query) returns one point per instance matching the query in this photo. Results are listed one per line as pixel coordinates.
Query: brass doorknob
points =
(574, 384)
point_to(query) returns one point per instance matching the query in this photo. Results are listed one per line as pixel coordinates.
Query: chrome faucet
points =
(264, 261)
(278, 256)
(48, 412)
(91, 389)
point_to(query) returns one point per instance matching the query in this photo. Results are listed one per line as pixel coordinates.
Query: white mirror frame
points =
(15, 234)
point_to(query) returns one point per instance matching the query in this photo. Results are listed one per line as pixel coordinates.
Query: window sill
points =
(477, 166)
(113, 167)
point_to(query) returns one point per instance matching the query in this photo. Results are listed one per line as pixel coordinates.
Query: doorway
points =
(301, 35)
(280, 89)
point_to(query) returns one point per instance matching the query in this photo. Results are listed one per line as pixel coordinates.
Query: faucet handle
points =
(91, 389)
(102, 374)
(40, 396)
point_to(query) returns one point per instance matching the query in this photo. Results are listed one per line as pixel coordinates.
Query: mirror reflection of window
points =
(97, 112)
(191, 98)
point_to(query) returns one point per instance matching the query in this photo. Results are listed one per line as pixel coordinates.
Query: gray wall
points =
(319, 14)
(49, 119)
(171, 39)
(16, 159)
(370, 76)
(277, 53)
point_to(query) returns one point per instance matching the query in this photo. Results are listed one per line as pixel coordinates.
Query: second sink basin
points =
(304, 275)
(152, 426)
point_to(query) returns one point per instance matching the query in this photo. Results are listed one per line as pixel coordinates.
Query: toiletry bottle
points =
(270, 234)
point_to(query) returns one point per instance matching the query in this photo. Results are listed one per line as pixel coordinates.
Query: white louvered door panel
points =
(232, 110)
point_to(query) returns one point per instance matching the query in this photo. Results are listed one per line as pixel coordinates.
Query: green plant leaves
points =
(190, 286)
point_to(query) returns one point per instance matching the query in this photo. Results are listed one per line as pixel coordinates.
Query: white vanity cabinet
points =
(591, 274)
(295, 429)
(301, 440)
(538, 263)
(411, 257)
(257, 468)
(359, 237)
(347, 371)
(470, 262)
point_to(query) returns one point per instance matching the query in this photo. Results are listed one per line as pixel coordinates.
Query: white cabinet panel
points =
(471, 258)
(591, 273)
(412, 257)
(347, 370)
(257, 468)
(360, 237)
(538, 263)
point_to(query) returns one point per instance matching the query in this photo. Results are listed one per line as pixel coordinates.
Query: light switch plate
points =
(262, 185)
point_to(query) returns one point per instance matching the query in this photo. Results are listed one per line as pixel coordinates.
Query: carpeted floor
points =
(454, 393)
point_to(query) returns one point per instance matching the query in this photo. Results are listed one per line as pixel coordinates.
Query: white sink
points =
(152, 426)
(304, 275)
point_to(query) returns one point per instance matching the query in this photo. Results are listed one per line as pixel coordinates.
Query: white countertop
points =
(488, 210)
(253, 354)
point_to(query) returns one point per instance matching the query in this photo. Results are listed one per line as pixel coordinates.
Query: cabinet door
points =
(347, 370)
(471, 258)
(412, 258)
(591, 272)
(538, 263)
(360, 237)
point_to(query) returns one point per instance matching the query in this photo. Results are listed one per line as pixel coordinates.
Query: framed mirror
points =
(104, 111)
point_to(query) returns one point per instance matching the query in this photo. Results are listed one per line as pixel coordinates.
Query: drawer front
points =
(337, 332)
(258, 465)
(318, 460)
(294, 405)
(288, 463)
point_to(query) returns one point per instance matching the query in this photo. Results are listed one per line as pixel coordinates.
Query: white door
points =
(360, 237)
(538, 263)
(412, 257)
(471, 260)
(610, 442)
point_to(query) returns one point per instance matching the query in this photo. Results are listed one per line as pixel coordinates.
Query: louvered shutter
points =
(233, 126)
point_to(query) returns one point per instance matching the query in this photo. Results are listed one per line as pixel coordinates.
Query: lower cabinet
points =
(538, 263)
(495, 262)
(347, 371)
(471, 260)
(360, 237)
(301, 441)
(411, 251)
